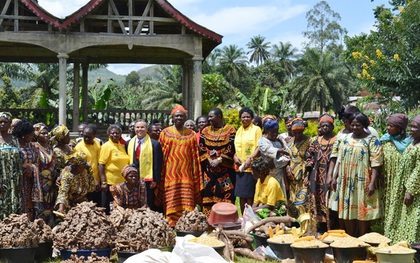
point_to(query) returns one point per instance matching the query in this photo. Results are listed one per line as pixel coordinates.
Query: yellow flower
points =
(379, 54)
(372, 62)
(365, 66)
(397, 57)
(356, 55)
(364, 73)
(359, 76)
(366, 57)
(401, 9)
(372, 78)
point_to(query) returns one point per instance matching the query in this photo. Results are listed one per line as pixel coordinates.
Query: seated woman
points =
(268, 193)
(76, 182)
(131, 193)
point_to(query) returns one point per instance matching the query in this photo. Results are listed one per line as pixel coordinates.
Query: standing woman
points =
(47, 176)
(359, 160)
(10, 169)
(246, 148)
(30, 183)
(296, 173)
(181, 172)
(394, 143)
(405, 202)
(216, 155)
(317, 163)
(60, 139)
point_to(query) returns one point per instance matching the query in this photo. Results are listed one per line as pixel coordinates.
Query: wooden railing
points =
(102, 118)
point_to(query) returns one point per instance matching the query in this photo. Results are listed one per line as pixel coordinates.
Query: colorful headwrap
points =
(417, 119)
(59, 132)
(38, 128)
(271, 125)
(400, 120)
(268, 117)
(298, 124)
(6, 115)
(126, 170)
(76, 158)
(326, 118)
(178, 108)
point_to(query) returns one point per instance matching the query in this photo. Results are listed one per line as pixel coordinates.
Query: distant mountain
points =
(149, 72)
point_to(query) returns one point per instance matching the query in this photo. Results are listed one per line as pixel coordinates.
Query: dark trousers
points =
(151, 198)
(95, 197)
(107, 199)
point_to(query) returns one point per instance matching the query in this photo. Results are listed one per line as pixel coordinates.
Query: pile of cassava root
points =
(43, 231)
(144, 229)
(93, 258)
(85, 226)
(192, 221)
(18, 231)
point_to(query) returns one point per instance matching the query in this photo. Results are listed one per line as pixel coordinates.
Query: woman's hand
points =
(215, 162)
(409, 198)
(237, 161)
(371, 189)
(247, 163)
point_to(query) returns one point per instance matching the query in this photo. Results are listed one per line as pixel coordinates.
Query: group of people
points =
(343, 180)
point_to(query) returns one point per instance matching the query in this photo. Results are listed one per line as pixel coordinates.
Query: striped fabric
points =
(181, 172)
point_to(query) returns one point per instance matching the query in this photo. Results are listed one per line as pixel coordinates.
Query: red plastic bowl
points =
(223, 213)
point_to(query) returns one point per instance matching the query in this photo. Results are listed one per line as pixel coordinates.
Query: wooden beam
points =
(6, 6)
(16, 12)
(132, 18)
(141, 21)
(114, 8)
(130, 14)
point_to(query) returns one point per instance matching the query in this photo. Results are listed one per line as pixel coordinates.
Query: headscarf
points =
(271, 125)
(298, 124)
(6, 115)
(417, 119)
(38, 128)
(268, 117)
(326, 118)
(126, 170)
(178, 108)
(59, 132)
(400, 141)
(76, 158)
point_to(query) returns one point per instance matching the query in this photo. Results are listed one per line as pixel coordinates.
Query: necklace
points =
(324, 147)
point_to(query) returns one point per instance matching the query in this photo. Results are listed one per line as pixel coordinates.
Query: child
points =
(268, 193)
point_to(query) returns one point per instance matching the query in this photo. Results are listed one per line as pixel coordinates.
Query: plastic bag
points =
(249, 217)
(191, 252)
(154, 256)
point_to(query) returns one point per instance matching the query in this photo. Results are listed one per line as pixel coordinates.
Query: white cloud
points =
(62, 8)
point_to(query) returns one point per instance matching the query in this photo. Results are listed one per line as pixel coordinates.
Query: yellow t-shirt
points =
(246, 141)
(269, 192)
(114, 158)
(92, 152)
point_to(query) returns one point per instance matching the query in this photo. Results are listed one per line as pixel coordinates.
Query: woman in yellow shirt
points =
(112, 160)
(268, 193)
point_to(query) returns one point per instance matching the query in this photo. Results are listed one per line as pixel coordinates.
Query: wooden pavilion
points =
(106, 31)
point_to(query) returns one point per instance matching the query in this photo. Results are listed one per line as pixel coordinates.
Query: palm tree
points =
(259, 49)
(285, 55)
(210, 64)
(233, 63)
(321, 82)
(167, 91)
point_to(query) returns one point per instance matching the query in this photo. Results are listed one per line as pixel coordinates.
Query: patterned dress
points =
(181, 172)
(47, 183)
(74, 187)
(318, 158)
(30, 186)
(356, 158)
(127, 198)
(218, 181)
(298, 192)
(404, 221)
(10, 174)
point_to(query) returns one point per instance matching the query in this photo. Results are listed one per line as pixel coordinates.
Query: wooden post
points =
(62, 62)
(76, 81)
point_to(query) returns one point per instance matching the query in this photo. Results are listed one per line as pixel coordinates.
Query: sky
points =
(240, 20)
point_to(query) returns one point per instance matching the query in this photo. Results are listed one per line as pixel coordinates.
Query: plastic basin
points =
(260, 241)
(123, 255)
(17, 255)
(66, 253)
(416, 247)
(348, 254)
(309, 255)
(385, 257)
(181, 233)
(219, 249)
(44, 251)
(282, 250)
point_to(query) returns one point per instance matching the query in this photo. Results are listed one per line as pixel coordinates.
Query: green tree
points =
(388, 58)
(321, 82)
(132, 78)
(8, 97)
(167, 91)
(258, 49)
(233, 63)
(324, 31)
(285, 55)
